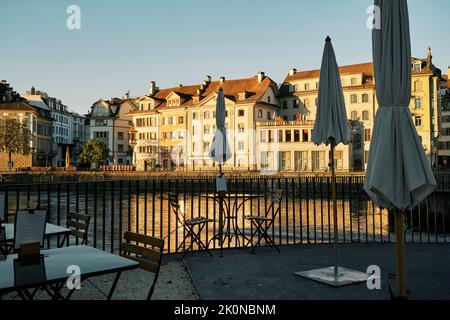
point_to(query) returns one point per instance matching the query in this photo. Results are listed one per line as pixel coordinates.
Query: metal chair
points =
(147, 251)
(193, 227)
(262, 224)
(79, 224)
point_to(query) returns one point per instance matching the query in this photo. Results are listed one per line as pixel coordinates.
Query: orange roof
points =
(364, 68)
(254, 91)
(18, 106)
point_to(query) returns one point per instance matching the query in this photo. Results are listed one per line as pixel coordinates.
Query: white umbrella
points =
(399, 175)
(220, 150)
(331, 128)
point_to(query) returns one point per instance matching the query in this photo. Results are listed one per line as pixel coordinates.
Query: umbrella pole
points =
(400, 251)
(335, 226)
(221, 215)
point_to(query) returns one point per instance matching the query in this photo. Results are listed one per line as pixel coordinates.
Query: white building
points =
(110, 122)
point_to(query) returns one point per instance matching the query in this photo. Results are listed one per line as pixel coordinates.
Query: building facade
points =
(67, 127)
(444, 134)
(110, 122)
(174, 127)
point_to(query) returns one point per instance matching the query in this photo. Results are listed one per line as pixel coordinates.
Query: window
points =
(316, 102)
(119, 135)
(260, 114)
(305, 135)
(306, 86)
(365, 115)
(170, 121)
(205, 146)
(417, 103)
(120, 147)
(241, 128)
(206, 115)
(101, 135)
(163, 121)
(295, 104)
(418, 121)
(206, 129)
(417, 85)
(285, 104)
(269, 115)
(367, 135)
(100, 122)
(318, 160)
(354, 82)
(285, 160)
(241, 145)
(269, 99)
(262, 136)
(354, 115)
(365, 98)
(180, 120)
(296, 135)
(417, 67)
(280, 135)
(288, 135)
(301, 160)
(241, 113)
(353, 98)
(194, 116)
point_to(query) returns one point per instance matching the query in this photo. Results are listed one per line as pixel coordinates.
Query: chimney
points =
(292, 72)
(199, 92)
(429, 57)
(127, 94)
(152, 88)
(33, 90)
(261, 76)
(208, 79)
(180, 85)
(222, 79)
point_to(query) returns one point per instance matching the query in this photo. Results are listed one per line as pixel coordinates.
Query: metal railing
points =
(143, 206)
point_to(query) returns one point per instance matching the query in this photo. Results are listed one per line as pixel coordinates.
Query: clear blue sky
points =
(123, 45)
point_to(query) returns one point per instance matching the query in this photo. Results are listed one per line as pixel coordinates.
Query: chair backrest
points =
(176, 207)
(79, 224)
(147, 251)
(276, 196)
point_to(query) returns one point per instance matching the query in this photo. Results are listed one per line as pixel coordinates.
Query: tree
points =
(93, 151)
(14, 137)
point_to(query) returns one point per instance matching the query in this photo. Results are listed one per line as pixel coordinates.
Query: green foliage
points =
(14, 136)
(93, 151)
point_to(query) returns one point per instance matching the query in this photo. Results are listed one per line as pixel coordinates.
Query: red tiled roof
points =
(365, 68)
(254, 91)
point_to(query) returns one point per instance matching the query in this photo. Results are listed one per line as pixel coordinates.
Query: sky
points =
(123, 45)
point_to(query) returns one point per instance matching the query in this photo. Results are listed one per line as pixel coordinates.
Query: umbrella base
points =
(326, 275)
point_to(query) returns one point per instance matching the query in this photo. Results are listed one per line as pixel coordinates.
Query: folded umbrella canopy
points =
(331, 128)
(220, 150)
(398, 175)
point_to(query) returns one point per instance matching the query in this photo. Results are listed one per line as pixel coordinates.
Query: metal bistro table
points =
(51, 230)
(51, 274)
(229, 206)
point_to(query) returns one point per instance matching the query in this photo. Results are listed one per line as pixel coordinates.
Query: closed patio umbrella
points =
(398, 175)
(331, 128)
(220, 150)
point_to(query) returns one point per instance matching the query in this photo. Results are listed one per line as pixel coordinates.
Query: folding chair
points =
(262, 224)
(147, 251)
(193, 227)
(79, 224)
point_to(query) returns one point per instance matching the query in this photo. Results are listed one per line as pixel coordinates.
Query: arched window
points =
(353, 98)
(354, 115)
(365, 97)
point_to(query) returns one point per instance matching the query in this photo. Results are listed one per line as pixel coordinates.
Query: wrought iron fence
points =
(305, 218)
